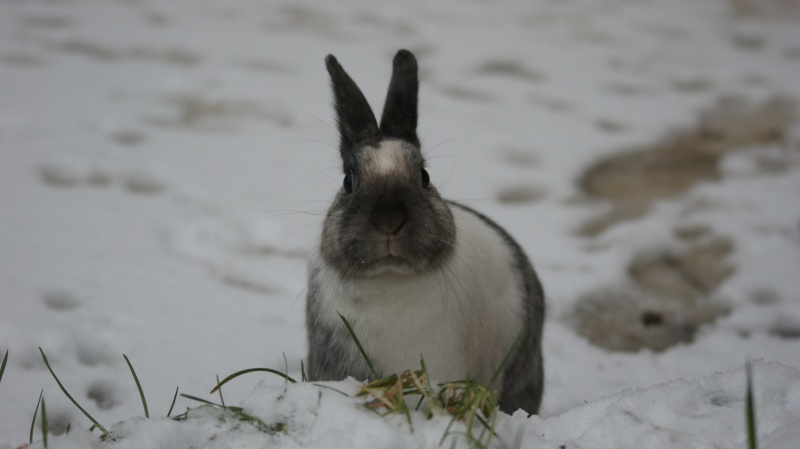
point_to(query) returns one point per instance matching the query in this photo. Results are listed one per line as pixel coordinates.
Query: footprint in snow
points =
(104, 393)
(65, 175)
(521, 194)
(61, 301)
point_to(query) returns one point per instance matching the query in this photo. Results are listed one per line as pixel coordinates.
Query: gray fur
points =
(395, 226)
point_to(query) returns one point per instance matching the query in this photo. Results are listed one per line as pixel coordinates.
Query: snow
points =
(705, 412)
(165, 168)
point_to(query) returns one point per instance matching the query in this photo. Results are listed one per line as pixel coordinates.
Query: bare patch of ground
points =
(634, 179)
(697, 272)
(669, 300)
(104, 53)
(626, 319)
(220, 114)
(667, 294)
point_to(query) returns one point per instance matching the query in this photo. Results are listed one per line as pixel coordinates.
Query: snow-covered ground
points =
(165, 166)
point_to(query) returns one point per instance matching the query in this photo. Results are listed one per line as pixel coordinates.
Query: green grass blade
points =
(251, 370)
(237, 411)
(138, 386)
(447, 430)
(174, 398)
(221, 399)
(44, 424)
(752, 441)
(3, 366)
(358, 343)
(331, 388)
(195, 398)
(506, 358)
(35, 413)
(94, 421)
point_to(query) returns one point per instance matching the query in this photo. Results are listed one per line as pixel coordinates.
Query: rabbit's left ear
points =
(399, 119)
(356, 121)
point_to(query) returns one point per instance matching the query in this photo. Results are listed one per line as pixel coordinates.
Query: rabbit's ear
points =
(353, 115)
(399, 119)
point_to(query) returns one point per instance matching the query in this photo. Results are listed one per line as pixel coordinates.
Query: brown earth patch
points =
(697, 272)
(634, 179)
(667, 304)
(627, 319)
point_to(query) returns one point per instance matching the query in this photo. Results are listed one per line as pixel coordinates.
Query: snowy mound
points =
(702, 413)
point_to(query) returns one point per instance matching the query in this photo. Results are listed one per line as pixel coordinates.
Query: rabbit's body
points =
(462, 318)
(416, 276)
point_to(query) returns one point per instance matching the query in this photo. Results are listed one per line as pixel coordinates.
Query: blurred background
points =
(165, 168)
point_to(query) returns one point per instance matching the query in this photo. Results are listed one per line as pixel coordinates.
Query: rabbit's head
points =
(387, 217)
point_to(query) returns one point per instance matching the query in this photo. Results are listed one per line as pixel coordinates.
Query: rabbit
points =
(417, 277)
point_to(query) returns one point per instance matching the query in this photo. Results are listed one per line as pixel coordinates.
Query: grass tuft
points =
(138, 386)
(468, 401)
(238, 413)
(94, 421)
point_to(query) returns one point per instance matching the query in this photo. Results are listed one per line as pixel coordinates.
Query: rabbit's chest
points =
(401, 322)
(461, 325)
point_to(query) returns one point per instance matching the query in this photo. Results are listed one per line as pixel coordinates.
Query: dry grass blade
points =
(468, 401)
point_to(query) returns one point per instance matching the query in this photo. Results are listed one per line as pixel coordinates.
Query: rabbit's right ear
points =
(353, 115)
(399, 119)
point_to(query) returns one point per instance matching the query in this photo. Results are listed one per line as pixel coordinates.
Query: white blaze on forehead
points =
(389, 157)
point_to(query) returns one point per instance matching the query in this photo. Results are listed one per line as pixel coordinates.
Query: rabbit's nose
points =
(389, 217)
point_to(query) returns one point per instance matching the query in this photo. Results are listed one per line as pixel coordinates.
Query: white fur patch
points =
(462, 318)
(389, 157)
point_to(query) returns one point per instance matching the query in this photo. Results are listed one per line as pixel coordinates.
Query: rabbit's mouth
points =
(390, 264)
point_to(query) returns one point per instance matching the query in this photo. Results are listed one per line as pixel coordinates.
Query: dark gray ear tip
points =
(332, 64)
(404, 58)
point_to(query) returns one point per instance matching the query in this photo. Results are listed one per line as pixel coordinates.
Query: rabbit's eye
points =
(348, 183)
(426, 178)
